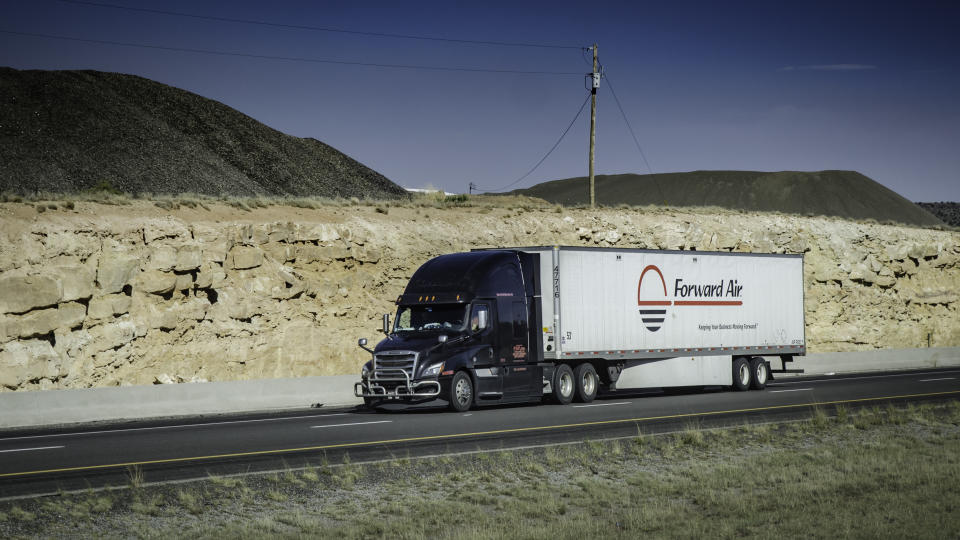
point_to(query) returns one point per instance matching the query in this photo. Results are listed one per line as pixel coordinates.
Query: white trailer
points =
(672, 318)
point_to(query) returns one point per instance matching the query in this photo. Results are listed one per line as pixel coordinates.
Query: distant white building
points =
(427, 190)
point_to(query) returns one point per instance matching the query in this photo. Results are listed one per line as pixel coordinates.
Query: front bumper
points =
(395, 384)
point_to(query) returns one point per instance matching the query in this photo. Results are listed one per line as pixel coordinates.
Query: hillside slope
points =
(64, 131)
(846, 194)
(947, 212)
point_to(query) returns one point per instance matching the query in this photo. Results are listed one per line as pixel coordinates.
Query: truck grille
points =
(385, 364)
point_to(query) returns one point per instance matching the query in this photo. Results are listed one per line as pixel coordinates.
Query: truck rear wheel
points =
(741, 374)
(759, 373)
(586, 377)
(461, 392)
(564, 384)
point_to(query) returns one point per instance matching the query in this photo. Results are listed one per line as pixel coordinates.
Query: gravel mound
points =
(68, 131)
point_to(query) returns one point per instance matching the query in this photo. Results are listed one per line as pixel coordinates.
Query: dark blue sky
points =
(866, 86)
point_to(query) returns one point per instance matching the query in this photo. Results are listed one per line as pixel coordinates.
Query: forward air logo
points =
(652, 298)
(653, 302)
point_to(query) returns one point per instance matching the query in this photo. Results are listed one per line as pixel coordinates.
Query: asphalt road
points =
(47, 461)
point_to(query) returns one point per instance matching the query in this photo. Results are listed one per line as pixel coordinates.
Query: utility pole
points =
(595, 83)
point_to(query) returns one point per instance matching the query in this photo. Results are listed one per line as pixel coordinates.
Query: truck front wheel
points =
(564, 384)
(741, 374)
(586, 377)
(461, 392)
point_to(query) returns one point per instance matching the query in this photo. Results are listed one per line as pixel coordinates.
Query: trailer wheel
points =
(741, 374)
(564, 384)
(759, 373)
(461, 392)
(586, 377)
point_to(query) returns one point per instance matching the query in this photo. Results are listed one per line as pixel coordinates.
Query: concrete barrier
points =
(55, 407)
(58, 407)
(867, 361)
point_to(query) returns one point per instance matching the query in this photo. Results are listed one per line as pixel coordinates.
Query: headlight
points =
(364, 372)
(433, 370)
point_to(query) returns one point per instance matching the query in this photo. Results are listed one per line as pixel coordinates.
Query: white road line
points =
(225, 422)
(940, 379)
(31, 449)
(603, 404)
(791, 390)
(841, 379)
(354, 424)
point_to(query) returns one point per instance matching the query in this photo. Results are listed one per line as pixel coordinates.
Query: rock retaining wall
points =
(141, 299)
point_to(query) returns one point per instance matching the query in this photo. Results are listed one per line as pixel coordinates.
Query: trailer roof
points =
(637, 250)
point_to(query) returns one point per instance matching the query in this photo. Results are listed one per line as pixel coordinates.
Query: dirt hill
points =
(65, 131)
(846, 194)
(947, 212)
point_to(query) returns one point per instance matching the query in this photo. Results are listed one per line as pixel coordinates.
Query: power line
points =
(289, 58)
(632, 134)
(320, 28)
(656, 182)
(544, 158)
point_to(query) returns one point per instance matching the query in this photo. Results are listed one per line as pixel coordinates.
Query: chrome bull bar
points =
(372, 387)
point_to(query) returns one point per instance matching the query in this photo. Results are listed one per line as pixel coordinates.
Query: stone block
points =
(25, 361)
(184, 282)
(155, 282)
(164, 228)
(237, 304)
(281, 252)
(189, 257)
(210, 275)
(76, 281)
(105, 307)
(242, 257)
(115, 271)
(37, 323)
(111, 336)
(19, 294)
(316, 232)
(71, 314)
(162, 258)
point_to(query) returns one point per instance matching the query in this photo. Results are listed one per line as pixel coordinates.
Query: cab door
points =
(487, 369)
(513, 346)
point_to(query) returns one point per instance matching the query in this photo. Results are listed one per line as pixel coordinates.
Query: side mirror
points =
(362, 342)
(442, 338)
(481, 320)
(386, 323)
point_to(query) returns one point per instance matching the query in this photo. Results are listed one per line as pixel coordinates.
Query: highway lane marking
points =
(31, 449)
(225, 422)
(354, 424)
(808, 381)
(602, 404)
(462, 435)
(791, 390)
(940, 379)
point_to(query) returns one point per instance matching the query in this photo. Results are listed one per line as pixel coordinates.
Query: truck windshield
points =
(441, 317)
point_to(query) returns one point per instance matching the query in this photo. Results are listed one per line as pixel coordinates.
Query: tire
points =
(461, 392)
(587, 382)
(564, 384)
(741, 374)
(371, 403)
(759, 373)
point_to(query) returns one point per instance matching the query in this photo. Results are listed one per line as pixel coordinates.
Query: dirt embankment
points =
(114, 295)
